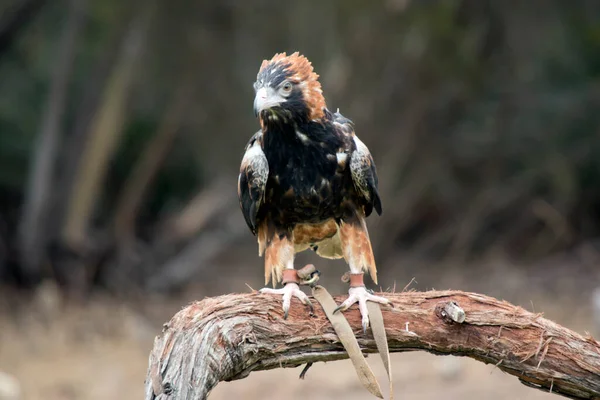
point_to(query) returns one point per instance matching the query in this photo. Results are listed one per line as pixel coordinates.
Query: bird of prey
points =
(307, 181)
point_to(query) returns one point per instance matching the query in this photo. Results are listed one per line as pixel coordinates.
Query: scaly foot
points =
(289, 290)
(360, 295)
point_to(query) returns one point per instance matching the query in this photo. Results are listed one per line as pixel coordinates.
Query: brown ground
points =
(100, 351)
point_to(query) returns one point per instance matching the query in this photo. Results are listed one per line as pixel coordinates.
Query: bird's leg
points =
(291, 283)
(279, 265)
(359, 294)
(357, 250)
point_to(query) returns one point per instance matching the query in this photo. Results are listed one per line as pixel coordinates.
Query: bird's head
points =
(287, 87)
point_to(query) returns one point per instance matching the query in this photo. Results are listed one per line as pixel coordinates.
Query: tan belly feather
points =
(325, 236)
(313, 233)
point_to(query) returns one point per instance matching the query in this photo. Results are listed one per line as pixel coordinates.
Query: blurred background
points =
(123, 123)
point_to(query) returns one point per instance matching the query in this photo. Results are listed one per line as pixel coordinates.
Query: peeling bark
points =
(225, 338)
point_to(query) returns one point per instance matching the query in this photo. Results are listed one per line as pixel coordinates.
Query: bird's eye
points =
(286, 88)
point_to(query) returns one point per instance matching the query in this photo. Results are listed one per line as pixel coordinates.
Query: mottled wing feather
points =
(252, 180)
(362, 166)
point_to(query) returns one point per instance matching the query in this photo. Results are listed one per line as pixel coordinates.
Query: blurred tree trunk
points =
(74, 144)
(151, 160)
(33, 225)
(13, 22)
(104, 133)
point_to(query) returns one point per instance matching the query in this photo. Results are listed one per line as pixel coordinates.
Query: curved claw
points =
(311, 307)
(287, 292)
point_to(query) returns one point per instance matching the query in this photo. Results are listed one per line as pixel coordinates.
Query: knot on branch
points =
(450, 312)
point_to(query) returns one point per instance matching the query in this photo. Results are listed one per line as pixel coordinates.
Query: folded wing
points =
(252, 180)
(362, 166)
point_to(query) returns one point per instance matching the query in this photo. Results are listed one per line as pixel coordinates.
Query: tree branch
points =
(227, 337)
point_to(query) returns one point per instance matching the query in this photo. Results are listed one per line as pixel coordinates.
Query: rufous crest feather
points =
(302, 73)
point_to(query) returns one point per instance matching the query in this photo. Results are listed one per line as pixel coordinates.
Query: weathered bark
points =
(227, 337)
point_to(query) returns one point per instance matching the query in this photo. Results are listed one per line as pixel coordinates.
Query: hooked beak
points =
(266, 97)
